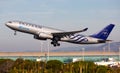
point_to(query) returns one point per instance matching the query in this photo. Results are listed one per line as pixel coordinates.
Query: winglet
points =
(85, 29)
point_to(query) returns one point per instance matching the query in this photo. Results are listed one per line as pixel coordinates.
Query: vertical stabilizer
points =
(104, 33)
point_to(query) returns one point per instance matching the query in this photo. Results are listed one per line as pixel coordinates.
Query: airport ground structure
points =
(89, 53)
(53, 66)
(21, 65)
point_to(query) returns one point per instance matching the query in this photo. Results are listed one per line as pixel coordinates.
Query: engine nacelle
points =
(44, 35)
(39, 38)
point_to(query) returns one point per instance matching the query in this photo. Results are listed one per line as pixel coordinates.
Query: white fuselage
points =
(46, 32)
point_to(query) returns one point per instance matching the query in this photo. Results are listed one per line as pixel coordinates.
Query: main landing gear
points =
(55, 41)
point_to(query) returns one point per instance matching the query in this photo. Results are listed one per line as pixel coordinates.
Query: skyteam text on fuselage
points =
(44, 33)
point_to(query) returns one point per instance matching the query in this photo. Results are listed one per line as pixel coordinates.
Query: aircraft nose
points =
(8, 23)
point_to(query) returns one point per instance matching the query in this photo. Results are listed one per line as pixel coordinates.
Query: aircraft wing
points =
(64, 34)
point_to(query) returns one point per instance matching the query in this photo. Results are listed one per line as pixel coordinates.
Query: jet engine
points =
(44, 35)
(39, 38)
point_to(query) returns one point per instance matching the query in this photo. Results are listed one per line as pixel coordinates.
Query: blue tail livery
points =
(104, 33)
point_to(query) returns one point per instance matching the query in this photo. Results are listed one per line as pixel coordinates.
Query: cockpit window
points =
(9, 22)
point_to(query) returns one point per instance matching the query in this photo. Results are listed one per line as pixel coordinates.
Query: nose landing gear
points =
(15, 33)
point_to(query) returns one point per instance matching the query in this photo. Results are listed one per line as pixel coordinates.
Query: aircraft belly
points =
(85, 40)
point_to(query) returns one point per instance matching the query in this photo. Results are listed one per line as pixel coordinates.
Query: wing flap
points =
(64, 34)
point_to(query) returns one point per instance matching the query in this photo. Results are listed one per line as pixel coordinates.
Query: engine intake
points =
(39, 38)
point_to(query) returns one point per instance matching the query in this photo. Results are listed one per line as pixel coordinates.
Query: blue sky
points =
(62, 14)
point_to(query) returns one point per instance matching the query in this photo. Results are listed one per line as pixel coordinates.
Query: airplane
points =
(43, 33)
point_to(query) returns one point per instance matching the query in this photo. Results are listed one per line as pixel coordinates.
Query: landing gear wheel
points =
(58, 44)
(54, 45)
(55, 41)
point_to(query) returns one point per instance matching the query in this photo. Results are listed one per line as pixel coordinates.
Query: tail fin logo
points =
(105, 33)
